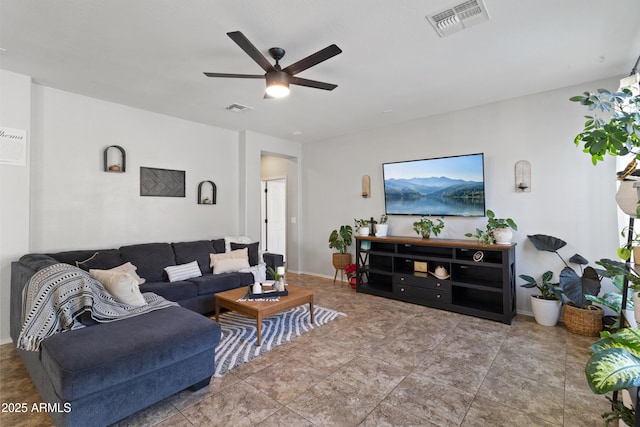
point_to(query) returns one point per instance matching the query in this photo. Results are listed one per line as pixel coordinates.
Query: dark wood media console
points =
(480, 279)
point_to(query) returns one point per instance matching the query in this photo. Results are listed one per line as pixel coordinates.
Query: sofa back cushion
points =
(200, 250)
(102, 259)
(150, 258)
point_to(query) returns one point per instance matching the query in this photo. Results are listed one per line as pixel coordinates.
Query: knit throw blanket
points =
(56, 295)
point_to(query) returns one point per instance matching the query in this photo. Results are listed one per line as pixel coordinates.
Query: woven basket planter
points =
(583, 321)
(340, 261)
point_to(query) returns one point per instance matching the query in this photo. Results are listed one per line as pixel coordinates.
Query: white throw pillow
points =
(124, 268)
(229, 265)
(237, 254)
(183, 271)
(124, 288)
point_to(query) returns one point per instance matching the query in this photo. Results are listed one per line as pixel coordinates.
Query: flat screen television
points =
(451, 186)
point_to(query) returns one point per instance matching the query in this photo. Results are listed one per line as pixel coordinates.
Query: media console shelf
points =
(480, 282)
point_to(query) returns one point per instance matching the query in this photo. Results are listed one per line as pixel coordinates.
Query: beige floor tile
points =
(387, 363)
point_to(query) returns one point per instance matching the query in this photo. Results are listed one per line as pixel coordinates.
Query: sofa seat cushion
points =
(212, 283)
(88, 360)
(150, 258)
(173, 291)
(200, 250)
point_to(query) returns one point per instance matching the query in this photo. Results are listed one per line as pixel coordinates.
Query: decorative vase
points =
(627, 197)
(583, 321)
(382, 230)
(546, 311)
(503, 235)
(363, 231)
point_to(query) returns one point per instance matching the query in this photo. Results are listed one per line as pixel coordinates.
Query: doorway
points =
(274, 216)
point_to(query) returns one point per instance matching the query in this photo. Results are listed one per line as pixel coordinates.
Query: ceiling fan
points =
(279, 79)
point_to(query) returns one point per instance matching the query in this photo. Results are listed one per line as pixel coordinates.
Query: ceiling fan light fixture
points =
(277, 84)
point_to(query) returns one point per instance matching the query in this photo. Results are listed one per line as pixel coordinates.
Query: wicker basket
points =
(340, 261)
(583, 321)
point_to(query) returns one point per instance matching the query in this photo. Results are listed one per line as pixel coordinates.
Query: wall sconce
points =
(366, 186)
(523, 177)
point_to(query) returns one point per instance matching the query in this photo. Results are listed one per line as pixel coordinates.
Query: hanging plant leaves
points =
(542, 242)
(578, 259)
(576, 288)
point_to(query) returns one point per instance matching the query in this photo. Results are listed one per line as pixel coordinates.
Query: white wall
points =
(570, 198)
(15, 112)
(76, 205)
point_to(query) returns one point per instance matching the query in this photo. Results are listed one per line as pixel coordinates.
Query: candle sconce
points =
(523, 176)
(366, 186)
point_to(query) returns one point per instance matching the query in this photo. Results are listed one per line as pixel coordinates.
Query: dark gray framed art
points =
(162, 182)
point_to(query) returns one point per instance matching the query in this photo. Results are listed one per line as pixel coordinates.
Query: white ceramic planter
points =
(627, 197)
(546, 311)
(382, 230)
(364, 231)
(502, 235)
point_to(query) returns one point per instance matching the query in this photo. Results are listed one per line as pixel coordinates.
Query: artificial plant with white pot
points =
(548, 305)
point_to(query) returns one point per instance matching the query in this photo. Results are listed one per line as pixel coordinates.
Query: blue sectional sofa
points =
(104, 372)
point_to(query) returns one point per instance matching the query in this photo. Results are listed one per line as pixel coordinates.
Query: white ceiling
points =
(150, 54)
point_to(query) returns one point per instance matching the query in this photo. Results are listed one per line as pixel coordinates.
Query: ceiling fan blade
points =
(251, 50)
(313, 59)
(236, 76)
(312, 83)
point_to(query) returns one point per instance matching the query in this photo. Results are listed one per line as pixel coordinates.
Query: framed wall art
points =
(162, 182)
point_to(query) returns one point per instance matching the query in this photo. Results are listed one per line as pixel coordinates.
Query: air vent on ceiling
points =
(238, 108)
(458, 17)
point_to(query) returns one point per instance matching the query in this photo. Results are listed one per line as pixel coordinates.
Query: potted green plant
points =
(340, 240)
(500, 228)
(618, 271)
(497, 230)
(382, 228)
(547, 306)
(425, 226)
(619, 136)
(615, 366)
(362, 226)
(580, 315)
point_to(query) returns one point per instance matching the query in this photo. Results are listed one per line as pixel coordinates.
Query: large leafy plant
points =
(341, 239)
(617, 137)
(575, 287)
(615, 366)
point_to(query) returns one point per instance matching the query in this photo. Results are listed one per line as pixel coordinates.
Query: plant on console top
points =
(425, 226)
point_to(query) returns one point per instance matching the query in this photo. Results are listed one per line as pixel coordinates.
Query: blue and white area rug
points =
(238, 342)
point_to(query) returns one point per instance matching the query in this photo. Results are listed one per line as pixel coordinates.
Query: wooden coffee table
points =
(259, 309)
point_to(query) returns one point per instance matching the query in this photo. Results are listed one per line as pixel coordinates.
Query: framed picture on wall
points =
(162, 182)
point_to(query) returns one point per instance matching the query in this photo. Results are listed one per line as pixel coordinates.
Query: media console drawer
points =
(431, 297)
(423, 281)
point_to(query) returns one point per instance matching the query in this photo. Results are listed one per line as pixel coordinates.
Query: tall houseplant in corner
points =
(340, 240)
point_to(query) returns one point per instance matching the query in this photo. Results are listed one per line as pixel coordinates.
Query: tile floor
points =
(387, 363)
